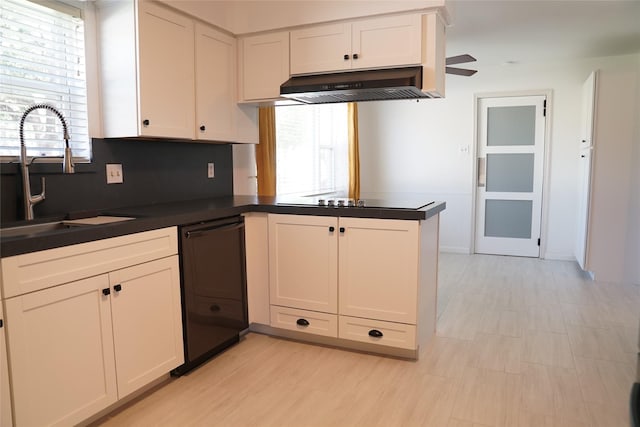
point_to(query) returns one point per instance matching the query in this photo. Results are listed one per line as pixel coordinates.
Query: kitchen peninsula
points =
(362, 278)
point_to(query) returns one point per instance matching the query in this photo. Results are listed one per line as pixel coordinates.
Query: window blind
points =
(42, 60)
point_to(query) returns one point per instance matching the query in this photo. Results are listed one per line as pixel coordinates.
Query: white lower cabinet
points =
(377, 332)
(5, 392)
(375, 271)
(99, 321)
(147, 326)
(311, 322)
(61, 352)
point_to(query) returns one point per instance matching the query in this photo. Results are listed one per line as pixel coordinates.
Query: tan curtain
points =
(354, 152)
(266, 152)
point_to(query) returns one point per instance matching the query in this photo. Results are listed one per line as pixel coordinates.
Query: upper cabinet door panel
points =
(166, 75)
(321, 48)
(215, 84)
(387, 42)
(264, 65)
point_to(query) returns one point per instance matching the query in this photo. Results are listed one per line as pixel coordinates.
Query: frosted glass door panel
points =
(511, 125)
(511, 172)
(508, 218)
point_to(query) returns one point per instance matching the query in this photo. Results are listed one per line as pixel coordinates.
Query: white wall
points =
(411, 147)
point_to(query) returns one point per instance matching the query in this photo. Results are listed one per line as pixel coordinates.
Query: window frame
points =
(87, 10)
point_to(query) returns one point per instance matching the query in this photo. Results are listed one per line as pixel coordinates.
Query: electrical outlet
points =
(114, 174)
(210, 170)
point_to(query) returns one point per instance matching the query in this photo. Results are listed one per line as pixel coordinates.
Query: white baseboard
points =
(455, 250)
(557, 256)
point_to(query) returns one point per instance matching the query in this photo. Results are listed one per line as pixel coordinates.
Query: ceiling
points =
(525, 31)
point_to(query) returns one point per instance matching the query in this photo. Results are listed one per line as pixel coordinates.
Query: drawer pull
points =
(106, 291)
(375, 333)
(117, 288)
(302, 322)
(215, 308)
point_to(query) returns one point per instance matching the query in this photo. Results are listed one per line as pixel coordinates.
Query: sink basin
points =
(34, 229)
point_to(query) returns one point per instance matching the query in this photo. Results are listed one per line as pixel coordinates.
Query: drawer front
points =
(377, 332)
(310, 322)
(43, 269)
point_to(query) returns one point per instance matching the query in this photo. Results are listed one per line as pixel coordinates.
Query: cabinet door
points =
(264, 65)
(5, 396)
(378, 269)
(147, 322)
(387, 42)
(303, 262)
(215, 84)
(166, 72)
(321, 48)
(61, 353)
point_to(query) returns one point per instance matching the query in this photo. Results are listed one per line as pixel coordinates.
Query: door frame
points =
(548, 93)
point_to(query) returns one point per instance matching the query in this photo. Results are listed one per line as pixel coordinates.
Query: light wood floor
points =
(520, 342)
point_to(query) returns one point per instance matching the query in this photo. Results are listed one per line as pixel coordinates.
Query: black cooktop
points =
(363, 203)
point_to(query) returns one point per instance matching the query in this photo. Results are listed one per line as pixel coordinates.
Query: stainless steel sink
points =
(32, 229)
(46, 227)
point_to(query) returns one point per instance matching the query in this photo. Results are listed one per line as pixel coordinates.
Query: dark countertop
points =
(189, 212)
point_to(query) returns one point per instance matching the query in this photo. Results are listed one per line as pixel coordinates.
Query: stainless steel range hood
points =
(356, 86)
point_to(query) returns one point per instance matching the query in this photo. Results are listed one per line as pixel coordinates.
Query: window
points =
(42, 60)
(312, 149)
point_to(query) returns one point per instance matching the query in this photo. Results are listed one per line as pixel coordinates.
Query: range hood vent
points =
(356, 86)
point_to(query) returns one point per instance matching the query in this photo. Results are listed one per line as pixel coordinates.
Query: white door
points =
(510, 172)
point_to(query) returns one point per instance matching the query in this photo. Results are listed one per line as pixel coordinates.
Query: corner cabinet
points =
(163, 74)
(263, 66)
(363, 280)
(90, 323)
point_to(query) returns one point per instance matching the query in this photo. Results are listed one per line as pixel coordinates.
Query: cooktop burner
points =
(333, 202)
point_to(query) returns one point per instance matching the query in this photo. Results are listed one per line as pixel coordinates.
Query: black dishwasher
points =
(214, 288)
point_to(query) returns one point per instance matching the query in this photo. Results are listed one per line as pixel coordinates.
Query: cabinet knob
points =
(1, 323)
(332, 229)
(342, 229)
(346, 57)
(106, 291)
(375, 333)
(584, 140)
(302, 322)
(202, 128)
(117, 287)
(145, 122)
(582, 155)
(355, 56)
(215, 308)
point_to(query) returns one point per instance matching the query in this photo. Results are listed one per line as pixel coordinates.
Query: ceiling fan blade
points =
(460, 59)
(460, 71)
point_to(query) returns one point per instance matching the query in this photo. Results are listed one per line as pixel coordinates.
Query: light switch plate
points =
(114, 174)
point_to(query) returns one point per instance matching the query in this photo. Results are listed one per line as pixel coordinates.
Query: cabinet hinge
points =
(544, 108)
(538, 241)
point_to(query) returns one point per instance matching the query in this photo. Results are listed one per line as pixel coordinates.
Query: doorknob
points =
(482, 171)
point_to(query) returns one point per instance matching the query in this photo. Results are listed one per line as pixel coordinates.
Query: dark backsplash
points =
(154, 172)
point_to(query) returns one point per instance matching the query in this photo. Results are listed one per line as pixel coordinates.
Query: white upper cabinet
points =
(215, 84)
(165, 75)
(371, 43)
(166, 72)
(263, 65)
(147, 70)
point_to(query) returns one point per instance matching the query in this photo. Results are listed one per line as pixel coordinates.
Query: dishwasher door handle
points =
(207, 230)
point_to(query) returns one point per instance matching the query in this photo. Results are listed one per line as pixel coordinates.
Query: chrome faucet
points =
(67, 165)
